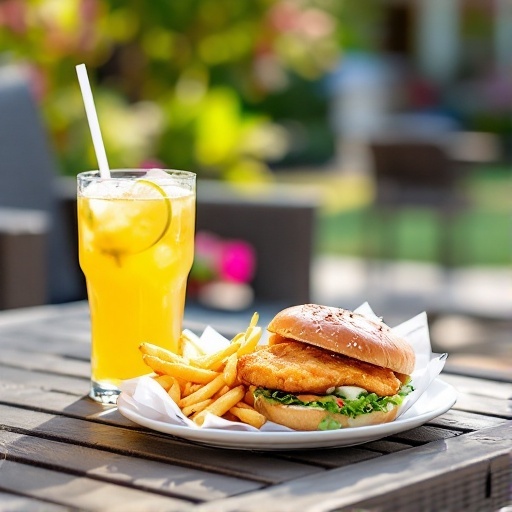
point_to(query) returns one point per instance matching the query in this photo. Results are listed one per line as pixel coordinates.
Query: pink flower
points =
(217, 259)
(237, 262)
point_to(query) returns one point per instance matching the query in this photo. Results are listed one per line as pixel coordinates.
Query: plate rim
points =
(272, 441)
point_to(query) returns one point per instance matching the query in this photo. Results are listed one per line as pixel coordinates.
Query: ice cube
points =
(105, 189)
(156, 175)
(174, 185)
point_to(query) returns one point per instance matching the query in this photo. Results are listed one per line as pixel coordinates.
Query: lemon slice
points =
(133, 222)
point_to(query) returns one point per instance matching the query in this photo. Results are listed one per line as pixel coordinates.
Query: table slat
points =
(357, 483)
(49, 381)
(331, 458)
(424, 434)
(80, 492)
(480, 387)
(45, 342)
(490, 406)
(44, 362)
(63, 404)
(465, 421)
(247, 465)
(190, 484)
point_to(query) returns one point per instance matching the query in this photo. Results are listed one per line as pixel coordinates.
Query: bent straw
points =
(92, 117)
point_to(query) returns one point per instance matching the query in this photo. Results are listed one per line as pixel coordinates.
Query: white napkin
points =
(147, 398)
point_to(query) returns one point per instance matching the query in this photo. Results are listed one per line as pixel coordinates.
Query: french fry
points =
(166, 381)
(189, 346)
(212, 360)
(231, 417)
(229, 372)
(200, 382)
(218, 367)
(179, 370)
(175, 392)
(249, 416)
(166, 355)
(222, 391)
(222, 405)
(254, 319)
(190, 388)
(196, 408)
(251, 340)
(239, 337)
(204, 392)
(243, 405)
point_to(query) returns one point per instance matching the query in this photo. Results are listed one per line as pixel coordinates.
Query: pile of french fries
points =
(207, 383)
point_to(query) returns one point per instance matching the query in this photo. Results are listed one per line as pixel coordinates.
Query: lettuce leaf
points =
(365, 403)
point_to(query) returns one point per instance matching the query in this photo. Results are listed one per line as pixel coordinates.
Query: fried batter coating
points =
(296, 367)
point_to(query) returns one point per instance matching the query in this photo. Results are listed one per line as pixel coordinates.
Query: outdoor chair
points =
(415, 174)
(28, 175)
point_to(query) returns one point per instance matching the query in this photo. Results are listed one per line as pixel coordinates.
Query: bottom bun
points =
(298, 417)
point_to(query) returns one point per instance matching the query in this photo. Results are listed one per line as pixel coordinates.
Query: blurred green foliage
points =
(206, 85)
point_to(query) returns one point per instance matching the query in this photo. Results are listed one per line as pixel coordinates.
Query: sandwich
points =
(326, 368)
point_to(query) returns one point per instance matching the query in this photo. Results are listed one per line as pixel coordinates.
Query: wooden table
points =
(60, 451)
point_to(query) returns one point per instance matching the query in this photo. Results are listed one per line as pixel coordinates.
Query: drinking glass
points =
(136, 245)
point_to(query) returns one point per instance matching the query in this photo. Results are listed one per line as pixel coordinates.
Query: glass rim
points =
(95, 174)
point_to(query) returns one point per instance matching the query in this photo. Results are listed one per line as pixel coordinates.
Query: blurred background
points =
(389, 120)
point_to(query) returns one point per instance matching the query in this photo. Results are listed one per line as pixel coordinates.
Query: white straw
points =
(92, 117)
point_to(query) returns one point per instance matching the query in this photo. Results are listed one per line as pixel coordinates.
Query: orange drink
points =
(136, 244)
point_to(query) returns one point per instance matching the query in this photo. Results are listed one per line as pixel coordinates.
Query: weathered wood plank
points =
(480, 387)
(14, 377)
(41, 361)
(246, 465)
(465, 421)
(357, 483)
(143, 474)
(387, 446)
(494, 374)
(490, 406)
(44, 340)
(38, 314)
(62, 403)
(425, 434)
(80, 492)
(331, 458)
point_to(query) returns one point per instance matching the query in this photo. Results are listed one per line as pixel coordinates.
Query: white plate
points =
(436, 400)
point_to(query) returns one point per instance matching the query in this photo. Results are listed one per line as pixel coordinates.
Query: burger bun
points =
(303, 418)
(346, 333)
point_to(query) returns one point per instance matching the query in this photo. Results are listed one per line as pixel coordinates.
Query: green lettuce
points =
(365, 403)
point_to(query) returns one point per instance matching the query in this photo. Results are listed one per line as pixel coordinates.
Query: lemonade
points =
(136, 240)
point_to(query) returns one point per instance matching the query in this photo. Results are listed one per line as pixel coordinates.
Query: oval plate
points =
(437, 399)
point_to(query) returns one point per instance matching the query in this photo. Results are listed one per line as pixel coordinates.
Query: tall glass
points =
(136, 245)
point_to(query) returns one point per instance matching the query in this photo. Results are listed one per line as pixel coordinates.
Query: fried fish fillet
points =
(300, 368)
